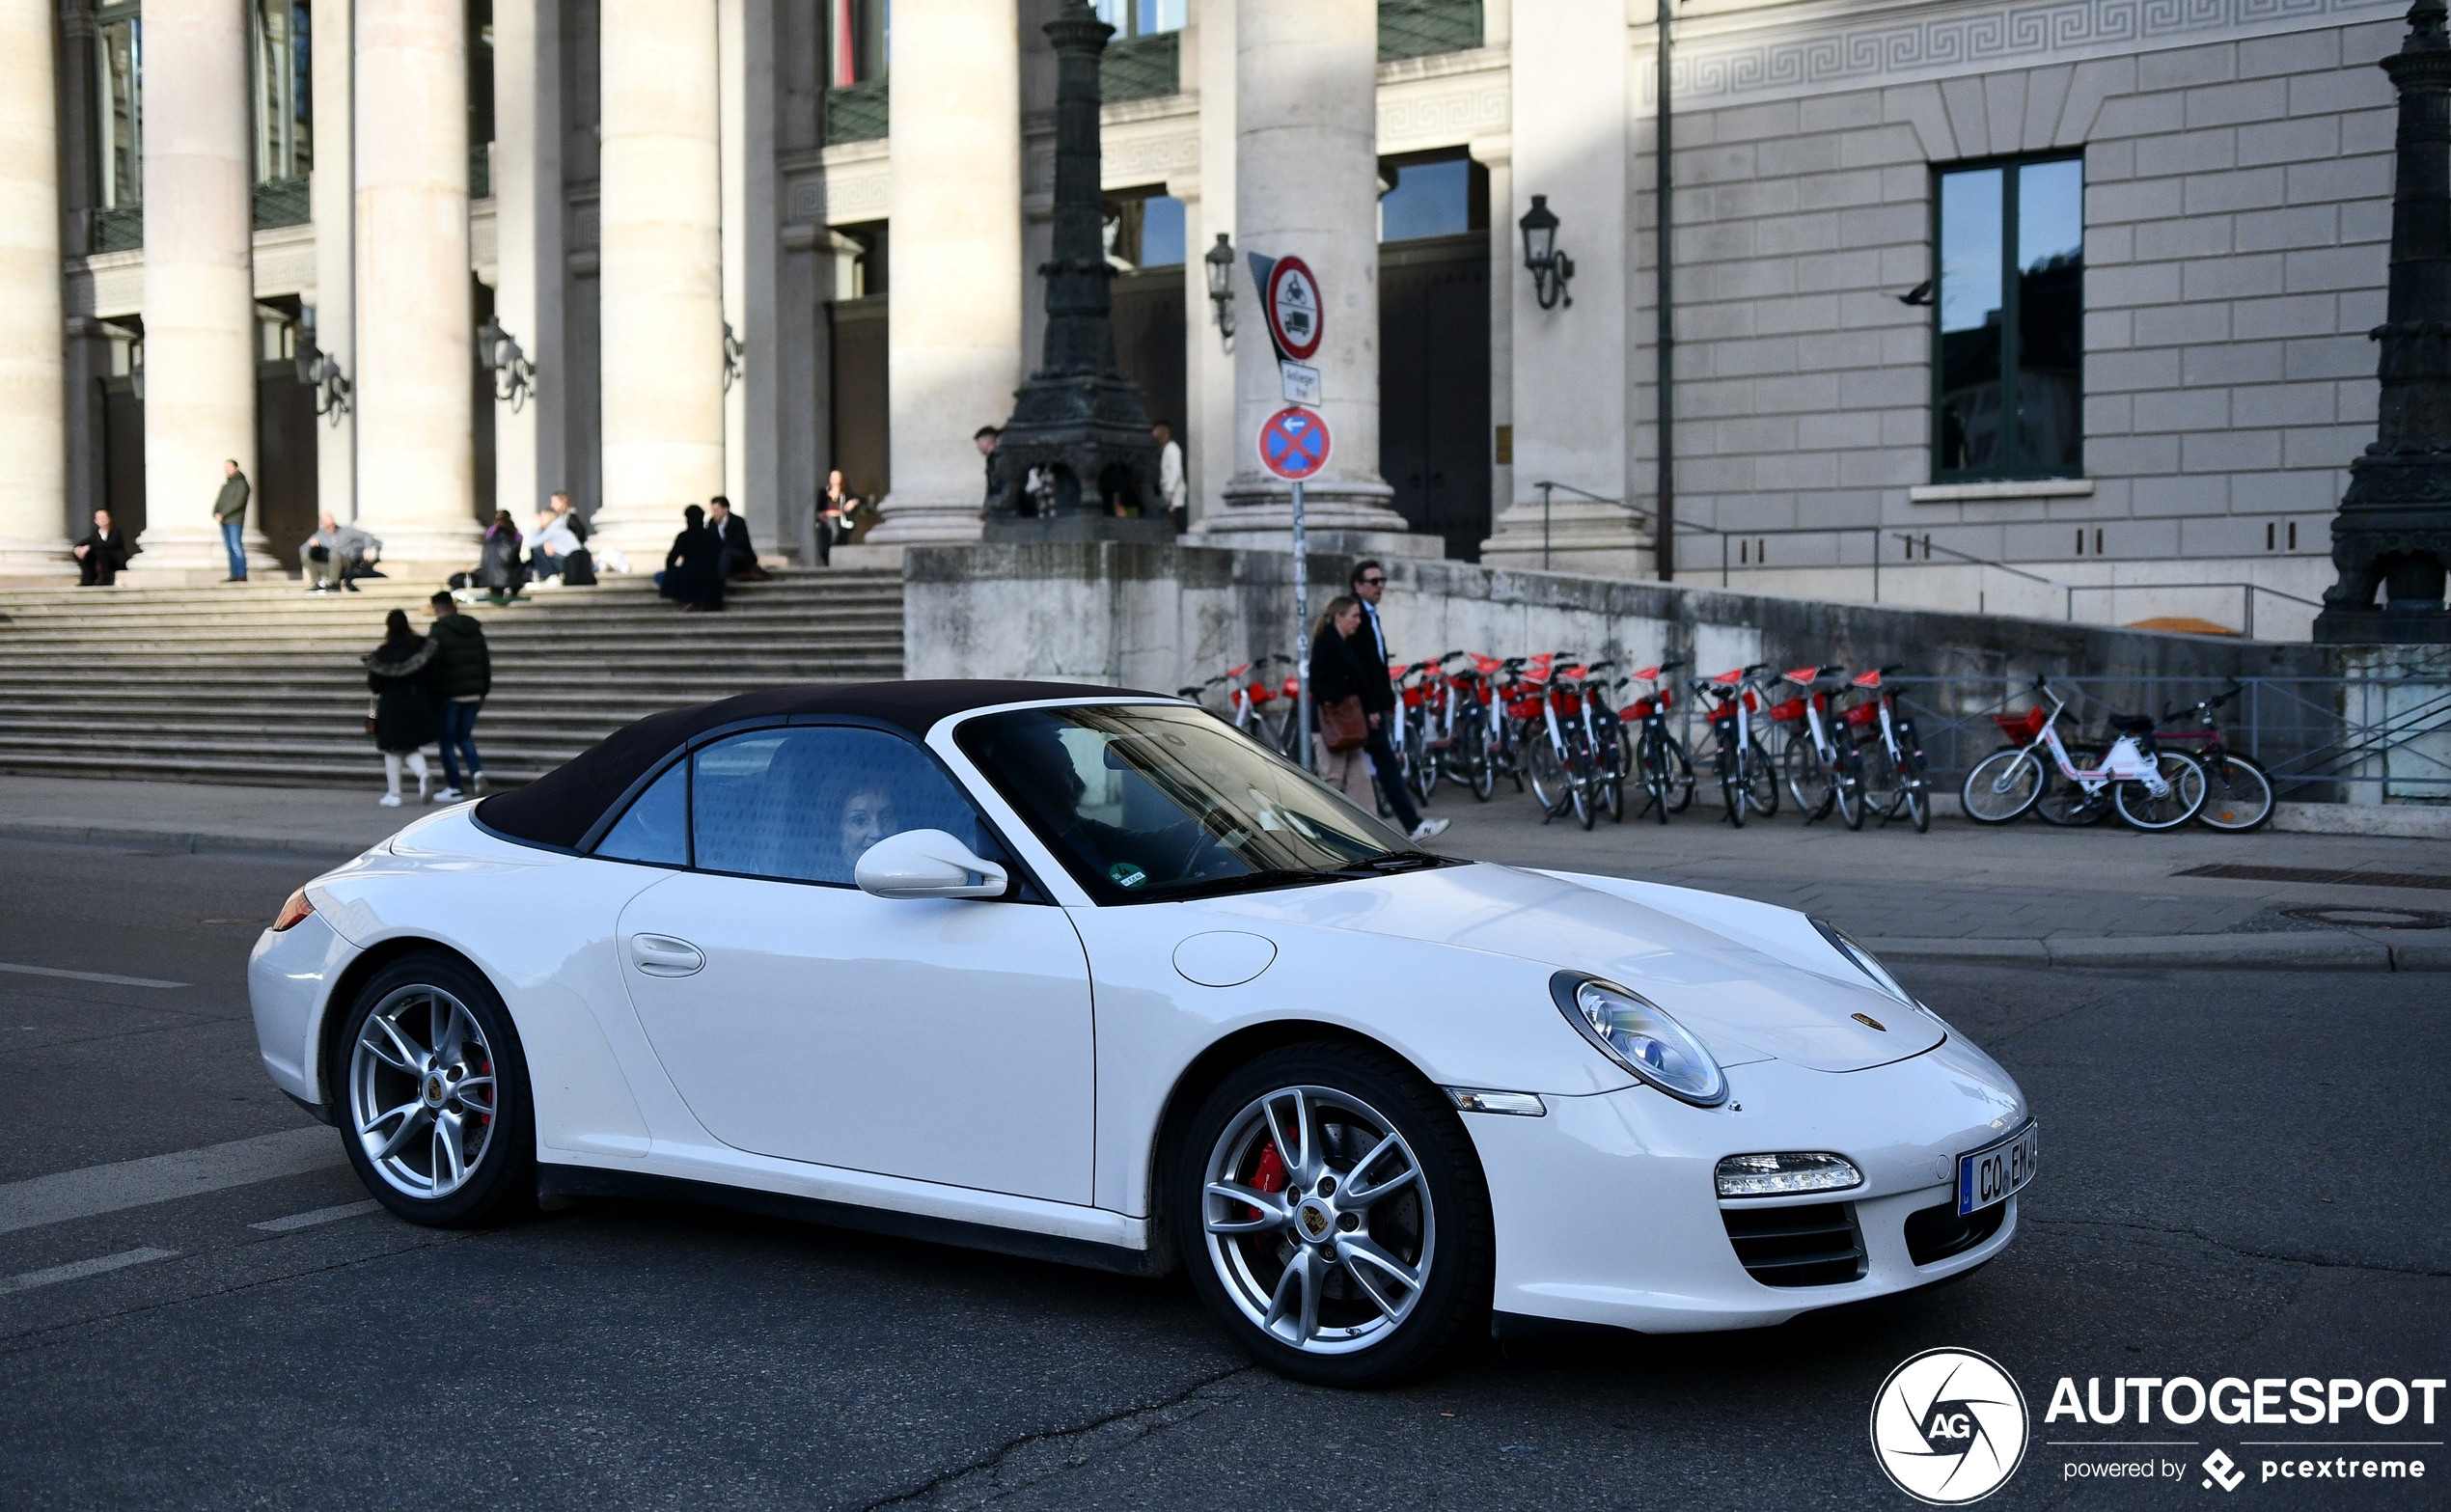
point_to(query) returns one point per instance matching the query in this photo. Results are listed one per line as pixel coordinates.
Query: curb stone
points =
(197, 842)
(2346, 950)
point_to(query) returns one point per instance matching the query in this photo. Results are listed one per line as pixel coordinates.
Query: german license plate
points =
(1997, 1172)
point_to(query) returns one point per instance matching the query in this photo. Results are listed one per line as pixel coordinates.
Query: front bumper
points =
(289, 977)
(1607, 1212)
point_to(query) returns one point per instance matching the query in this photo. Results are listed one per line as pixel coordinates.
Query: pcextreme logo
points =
(1949, 1427)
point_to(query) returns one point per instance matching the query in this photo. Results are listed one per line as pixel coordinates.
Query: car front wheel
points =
(433, 1094)
(1333, 1216)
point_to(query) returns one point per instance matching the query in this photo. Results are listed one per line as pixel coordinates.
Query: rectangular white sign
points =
(1302, 384)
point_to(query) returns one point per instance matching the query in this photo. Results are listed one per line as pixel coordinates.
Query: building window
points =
(1143, 229)
(284, 136)
(1418, 28)
(2008, 390)
(1441, 193)
(119, 56)
(1142, 18)
(859, 42)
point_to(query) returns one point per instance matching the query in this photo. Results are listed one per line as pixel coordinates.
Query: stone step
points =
(257, 684)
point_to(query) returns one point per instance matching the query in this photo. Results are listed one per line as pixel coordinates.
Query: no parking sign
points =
(1293, 444)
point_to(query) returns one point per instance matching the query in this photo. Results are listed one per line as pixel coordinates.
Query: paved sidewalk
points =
(2101, 895)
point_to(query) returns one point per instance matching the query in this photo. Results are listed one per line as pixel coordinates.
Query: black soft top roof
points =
(560, 807)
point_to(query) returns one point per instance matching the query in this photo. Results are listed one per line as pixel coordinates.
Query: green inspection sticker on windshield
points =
(1124, 874)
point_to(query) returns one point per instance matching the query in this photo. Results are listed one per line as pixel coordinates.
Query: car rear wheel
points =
(1333, 1216)
(434, 1095)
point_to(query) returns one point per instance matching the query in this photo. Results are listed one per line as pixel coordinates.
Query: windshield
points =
(1152, 801)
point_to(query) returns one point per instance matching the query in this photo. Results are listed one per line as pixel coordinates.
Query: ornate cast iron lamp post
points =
(1077, 419)
(2395, 527)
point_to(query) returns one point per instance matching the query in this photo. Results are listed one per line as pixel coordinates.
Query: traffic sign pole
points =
(1301, 629)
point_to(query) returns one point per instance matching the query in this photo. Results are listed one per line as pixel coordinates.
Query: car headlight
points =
(1865, 962)
(1782, 1175)
(1640, 1036)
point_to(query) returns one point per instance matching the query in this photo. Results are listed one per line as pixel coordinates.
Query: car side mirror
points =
(928, 864)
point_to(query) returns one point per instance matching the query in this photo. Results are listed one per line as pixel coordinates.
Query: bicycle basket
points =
(1792, 710)
(1865, 714)
(2023, 728)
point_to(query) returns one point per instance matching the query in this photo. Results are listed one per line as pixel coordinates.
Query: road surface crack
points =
(1033, 1458)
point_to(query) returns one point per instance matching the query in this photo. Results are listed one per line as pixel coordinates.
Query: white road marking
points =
(321, 1215)
(81, 1269)
(116, 981)
(163, 1179)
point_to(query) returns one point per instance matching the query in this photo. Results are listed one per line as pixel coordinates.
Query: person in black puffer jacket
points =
(463, 673)
(400, 674)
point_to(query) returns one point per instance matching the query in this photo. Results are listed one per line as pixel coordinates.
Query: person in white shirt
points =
(1171, 493)
(549, 545)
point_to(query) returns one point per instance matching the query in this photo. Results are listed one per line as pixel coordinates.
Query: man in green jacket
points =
(463, 675)
(230, 510)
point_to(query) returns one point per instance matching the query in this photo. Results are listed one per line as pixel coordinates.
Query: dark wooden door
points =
(285, 473)
(1149, 340)
(862, 418)
(123, 457)
(1434, 432)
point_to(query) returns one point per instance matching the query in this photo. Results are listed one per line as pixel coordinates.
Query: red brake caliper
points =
(1270, 1176)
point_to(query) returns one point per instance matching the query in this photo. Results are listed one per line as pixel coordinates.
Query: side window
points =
(656, 828)
(803, 803)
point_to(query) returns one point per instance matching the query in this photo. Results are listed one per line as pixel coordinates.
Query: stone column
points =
(200, 308)
(416, 341)
(1306, 184)
(662, 272)
(332, 198)
(731, 78)
(1572, 397)
(527, 185)
(953, 353)
(33, 427)
(1211, 449)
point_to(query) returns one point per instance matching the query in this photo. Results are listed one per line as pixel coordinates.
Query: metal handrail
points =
(2247, 597)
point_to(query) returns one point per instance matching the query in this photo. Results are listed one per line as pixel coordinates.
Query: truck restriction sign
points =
(1294, 314)
(1293, 444)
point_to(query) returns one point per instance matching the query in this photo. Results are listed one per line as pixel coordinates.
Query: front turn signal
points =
(292, 911)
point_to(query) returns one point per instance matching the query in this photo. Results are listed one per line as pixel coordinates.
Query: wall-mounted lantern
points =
(498, 351)
(1220, 263)
(1550, 268)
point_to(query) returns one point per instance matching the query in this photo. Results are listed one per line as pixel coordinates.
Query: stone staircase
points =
(261, 683)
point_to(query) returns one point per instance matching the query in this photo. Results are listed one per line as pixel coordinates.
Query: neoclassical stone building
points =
(2078, 288)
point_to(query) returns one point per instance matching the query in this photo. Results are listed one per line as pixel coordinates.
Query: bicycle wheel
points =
(2070, 805)
(2002, 786)
(1680, 769)
(1548, 775)
(2181, 799)
(1880, 785)
(1846, 787)
(2237, 796)
(1761, 782)
(1918, 788)
(1808, 779)
(1651, 760)
(1423, 767)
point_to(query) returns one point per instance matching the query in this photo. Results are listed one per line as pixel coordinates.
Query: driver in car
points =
(1037, 761)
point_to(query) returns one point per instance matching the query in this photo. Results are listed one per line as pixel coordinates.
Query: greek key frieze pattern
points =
(1876, 52)
(1410, 120)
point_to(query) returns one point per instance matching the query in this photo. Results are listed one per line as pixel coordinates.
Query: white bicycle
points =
(2152, 788)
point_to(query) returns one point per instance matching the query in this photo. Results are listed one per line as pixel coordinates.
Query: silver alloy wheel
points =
(422, 1093)
(1327, 1251)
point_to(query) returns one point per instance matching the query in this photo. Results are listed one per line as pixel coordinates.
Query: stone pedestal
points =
(953, 346)
(2397, 690)
(662, 272)
(1306, 184)
(416, 337)
(33, 459)
(200, 308)
(1577, 535)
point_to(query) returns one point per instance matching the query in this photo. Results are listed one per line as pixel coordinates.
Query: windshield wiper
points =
(1394, 861)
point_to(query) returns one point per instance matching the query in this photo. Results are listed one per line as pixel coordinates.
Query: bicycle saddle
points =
(2133, 724)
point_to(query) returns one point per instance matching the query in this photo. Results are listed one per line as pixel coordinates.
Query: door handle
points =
(662, 956)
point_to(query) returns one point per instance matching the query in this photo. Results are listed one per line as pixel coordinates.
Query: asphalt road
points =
(2243, 1177)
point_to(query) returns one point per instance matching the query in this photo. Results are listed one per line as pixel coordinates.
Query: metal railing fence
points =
(2320, 739)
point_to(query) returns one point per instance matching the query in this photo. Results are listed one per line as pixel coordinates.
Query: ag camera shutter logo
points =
(1949, 1427)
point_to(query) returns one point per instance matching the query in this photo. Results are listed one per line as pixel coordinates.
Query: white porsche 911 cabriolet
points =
(1090, 976)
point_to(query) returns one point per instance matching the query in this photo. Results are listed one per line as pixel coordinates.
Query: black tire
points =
(2017, 765)
(1812, 786)
(1453, 1302)
(1761, 787)
(1680, 773)
(2238, 794)
(500, 1184)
